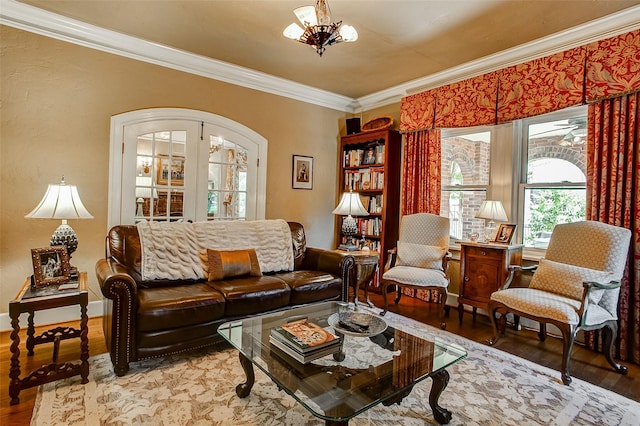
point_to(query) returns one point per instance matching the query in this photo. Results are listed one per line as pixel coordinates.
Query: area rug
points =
(489, 387)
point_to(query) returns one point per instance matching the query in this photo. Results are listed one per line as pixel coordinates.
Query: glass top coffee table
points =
(365, 371)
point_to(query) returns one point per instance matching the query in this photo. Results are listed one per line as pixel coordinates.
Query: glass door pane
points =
(227, 180)
(160, 179)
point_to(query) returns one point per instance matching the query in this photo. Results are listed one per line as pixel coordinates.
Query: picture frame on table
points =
(50, 265)
(170, 169)
(505, 233)
(302, 172)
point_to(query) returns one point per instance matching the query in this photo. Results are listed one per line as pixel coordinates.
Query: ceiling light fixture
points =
(319, 32)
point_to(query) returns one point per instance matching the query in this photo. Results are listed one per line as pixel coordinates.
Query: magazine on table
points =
(304, 336)
(278, 346)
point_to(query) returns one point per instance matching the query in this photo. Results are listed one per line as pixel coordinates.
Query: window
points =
(553, 177)
(174, 164)
(536, 167)
(465, 179)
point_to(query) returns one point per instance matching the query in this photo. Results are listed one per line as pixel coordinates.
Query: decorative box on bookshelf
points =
(371, 166)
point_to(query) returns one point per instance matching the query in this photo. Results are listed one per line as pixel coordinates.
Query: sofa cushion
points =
(311, 286)
(232, 263)
(173, 307)
(252, 295)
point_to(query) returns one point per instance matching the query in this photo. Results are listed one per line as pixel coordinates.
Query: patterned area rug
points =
(489, 387)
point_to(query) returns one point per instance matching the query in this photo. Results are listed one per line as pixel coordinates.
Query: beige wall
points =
(56, 103)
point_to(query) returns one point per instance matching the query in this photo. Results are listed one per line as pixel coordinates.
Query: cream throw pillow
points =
(566, 280)
(420, 255)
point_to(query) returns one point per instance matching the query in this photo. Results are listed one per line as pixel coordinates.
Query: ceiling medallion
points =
(319, 32)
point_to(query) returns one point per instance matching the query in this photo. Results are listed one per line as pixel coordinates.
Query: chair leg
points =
(443, 307)
(384, 298)
(568, 336)
(492, 316)
(610, 331)
(542, 334)
(398, 295)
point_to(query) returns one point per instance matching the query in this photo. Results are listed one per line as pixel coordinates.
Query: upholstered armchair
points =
(420, 260)
(576, 286)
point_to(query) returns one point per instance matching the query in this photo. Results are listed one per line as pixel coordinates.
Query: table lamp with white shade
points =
(62, 202)
(350, 205)
(492, 210)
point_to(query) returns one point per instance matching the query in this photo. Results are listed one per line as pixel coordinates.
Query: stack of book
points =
(304, 341)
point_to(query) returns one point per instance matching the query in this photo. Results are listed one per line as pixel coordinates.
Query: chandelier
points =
(319, 32)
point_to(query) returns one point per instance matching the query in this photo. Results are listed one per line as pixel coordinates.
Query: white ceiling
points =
(399, 41)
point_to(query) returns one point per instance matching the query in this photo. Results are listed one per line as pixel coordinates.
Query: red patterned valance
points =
(470, 102)
(536, 87)
(542, 85)
(417, 111)
(613, 66)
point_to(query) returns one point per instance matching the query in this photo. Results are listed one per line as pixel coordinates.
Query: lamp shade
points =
(60, 202)
(492, 210)
(350, 205)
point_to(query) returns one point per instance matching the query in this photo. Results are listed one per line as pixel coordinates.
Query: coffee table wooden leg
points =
(440, 381)
(244, 389)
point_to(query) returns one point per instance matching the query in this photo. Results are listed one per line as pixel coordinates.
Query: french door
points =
(176, 164)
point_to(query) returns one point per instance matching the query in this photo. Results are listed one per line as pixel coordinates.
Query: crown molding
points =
(608, 26)
(32, 19)
(35, 20)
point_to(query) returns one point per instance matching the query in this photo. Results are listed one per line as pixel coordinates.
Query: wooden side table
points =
(484, 268)
(365, 271)
(29, 300)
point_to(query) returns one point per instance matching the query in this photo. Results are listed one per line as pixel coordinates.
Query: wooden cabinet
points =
(484, 268)
(370, 165)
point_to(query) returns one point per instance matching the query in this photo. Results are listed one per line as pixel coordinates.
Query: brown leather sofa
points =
(144, 319)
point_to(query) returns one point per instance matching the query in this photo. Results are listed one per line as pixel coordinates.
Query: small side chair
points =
(421, 258)
(575, 287)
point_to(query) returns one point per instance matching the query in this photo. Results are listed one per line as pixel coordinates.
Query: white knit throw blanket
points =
(171, 250)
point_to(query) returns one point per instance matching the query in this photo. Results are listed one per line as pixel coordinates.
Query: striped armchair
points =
(576, 286)
(420, 260)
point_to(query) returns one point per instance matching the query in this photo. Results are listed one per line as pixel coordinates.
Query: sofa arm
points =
(120, 305)
(333, 262)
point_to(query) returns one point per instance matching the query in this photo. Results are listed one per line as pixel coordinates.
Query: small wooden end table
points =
(365, 271)
(32, 300)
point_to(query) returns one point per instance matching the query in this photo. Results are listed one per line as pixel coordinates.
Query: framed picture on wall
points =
(302, 172)
(50, 265)
(170, 170)
(505, 233)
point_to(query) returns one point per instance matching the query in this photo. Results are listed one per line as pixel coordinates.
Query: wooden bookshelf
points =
(370, 165)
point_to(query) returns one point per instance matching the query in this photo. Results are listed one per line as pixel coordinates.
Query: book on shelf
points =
(304, 336)
(371, 178)
(304, 358)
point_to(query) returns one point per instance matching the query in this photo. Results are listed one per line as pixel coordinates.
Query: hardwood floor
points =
(586, 365)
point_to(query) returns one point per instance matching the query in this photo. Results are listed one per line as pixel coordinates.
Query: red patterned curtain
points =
(467, 103)
(421, 172)
(613, 184)
(417, 112)
(613, 66)
(542, 85)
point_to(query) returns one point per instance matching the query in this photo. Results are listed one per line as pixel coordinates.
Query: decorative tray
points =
(378, 123)
(357, 324)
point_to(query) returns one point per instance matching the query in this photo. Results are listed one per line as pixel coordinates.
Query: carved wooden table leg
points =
(243, 389)
(440, 381)
(84, 341)
(31, 343)
(14, 372)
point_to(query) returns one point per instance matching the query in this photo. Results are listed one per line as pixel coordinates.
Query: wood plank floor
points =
(586, 365)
